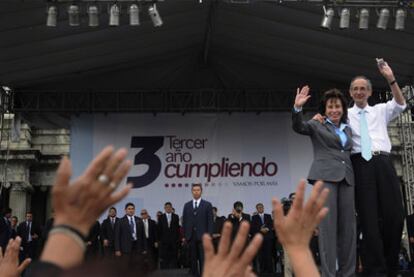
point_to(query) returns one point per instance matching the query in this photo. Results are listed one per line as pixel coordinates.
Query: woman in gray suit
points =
(332, 143)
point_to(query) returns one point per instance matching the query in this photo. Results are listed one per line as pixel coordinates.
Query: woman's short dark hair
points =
(334, 94)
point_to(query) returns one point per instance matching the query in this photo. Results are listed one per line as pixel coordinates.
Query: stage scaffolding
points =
(405, 125)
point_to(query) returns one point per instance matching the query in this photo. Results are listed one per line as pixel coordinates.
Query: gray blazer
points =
(331, 161)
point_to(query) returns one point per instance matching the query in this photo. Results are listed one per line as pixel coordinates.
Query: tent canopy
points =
(213, 44)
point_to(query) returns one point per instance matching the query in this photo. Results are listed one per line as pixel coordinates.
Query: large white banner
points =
(245, 157)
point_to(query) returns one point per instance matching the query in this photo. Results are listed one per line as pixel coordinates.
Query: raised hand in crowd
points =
(231, 259)
(295, 230)
(78, 205)
(9, 263)
(302, 97)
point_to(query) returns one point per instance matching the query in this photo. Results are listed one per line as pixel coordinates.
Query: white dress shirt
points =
(168, 219)
(198, 201)
(146, 228)
(378, 117)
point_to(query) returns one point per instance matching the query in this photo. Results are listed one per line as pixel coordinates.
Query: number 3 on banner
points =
(146, 156)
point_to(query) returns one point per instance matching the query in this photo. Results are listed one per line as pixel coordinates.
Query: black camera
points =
(287, 203)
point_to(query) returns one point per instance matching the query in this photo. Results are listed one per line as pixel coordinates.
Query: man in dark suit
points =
(13, 226)
(263, 223)
(129, 234)
(218, 222)
(29, 233)
(5, 228)
(108, 232)
(236, 217)
(169, 237)
(197, 220)
(93, 241)
(150, 236)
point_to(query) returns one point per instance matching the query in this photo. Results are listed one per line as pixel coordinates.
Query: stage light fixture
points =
(134, 15)
(344, 20)
(363, 19)
(400, 16)
(74, 18)
(383, 17)
(52, 13)
(114, 13)
(93, 13)
(327, 18)
(155, 16)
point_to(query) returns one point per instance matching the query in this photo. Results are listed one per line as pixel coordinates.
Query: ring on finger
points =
(103, 179)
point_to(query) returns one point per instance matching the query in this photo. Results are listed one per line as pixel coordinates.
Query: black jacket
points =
(108, 231)
(123, 235)
(170, 234)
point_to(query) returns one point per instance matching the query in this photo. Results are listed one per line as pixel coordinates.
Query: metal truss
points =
(156, 101)
(406, 132)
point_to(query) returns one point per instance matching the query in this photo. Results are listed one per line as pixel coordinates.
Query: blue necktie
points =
(131, 224)
(365, 139)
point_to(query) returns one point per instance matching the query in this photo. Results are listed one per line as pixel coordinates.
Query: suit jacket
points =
(47, 228)
(200, 220)
(257, 225)
(331, 161)
(5, 232)
(410, 225)
(236, 222)
(123, 235)
(93, 236)
(108, 231)
(23, 231)
(168, 235)
(218, 224)
(152, 234)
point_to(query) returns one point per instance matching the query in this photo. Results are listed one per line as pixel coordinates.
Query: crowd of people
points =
(78, 205)
(162, 241)
(352, 177)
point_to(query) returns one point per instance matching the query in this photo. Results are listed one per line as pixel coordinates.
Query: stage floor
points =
(184, 273)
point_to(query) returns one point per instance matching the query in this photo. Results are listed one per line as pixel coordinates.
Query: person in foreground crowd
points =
(197, 220)
(332, 146)
(78, 205)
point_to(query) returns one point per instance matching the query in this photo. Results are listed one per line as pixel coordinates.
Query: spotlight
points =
(327, 18)
(73, 12)
(51, 16)
(93, 13)
(134, 15)
(114, 15)
(363, 19)
(345, 17)
(400, 16)
(384, 15)
(155, 16)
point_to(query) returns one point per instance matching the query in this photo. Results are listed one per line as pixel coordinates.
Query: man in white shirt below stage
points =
(378, 195)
